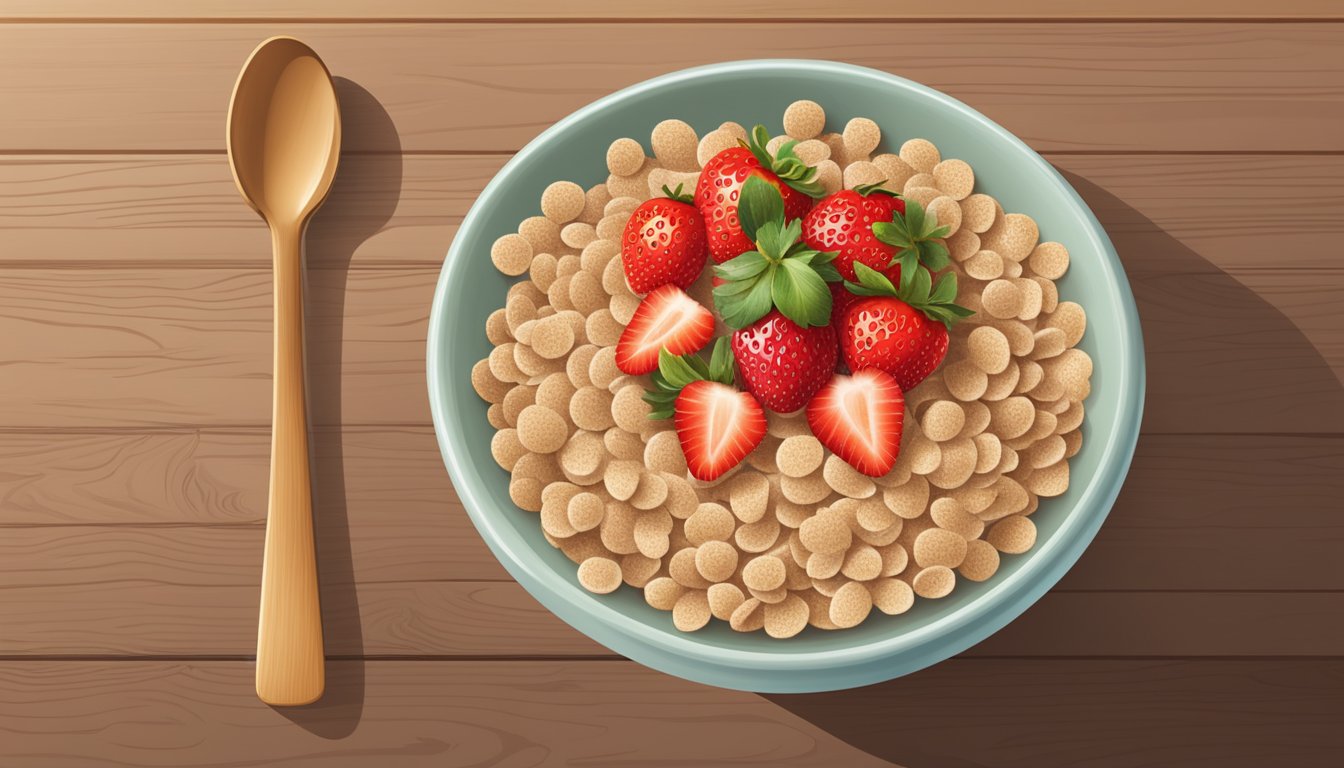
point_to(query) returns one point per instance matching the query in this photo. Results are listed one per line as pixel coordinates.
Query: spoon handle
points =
(289, 632)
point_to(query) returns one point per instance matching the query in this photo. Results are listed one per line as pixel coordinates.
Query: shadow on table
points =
(362, 200)
(941, 716)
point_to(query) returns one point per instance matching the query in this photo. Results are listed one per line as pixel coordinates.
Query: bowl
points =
(751, 92)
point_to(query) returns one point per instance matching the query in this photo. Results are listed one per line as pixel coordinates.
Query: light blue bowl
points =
(751, 92)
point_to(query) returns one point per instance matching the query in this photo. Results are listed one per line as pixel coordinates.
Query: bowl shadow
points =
(1186, 394)
(362, 200)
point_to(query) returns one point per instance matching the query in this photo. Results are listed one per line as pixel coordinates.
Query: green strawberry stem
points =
(916, 233)
(785, 164)
(678, 195)
(782, 273)
(876, 188)
(936, 300)
(675, 372)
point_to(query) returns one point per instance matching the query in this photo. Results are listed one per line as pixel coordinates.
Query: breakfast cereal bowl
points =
(470, 288)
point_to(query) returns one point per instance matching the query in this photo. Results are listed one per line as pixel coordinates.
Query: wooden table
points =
(1202, 628)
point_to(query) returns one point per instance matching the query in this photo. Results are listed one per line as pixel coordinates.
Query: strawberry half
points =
(664, 242)
(667, 319)
(859, 418)
(718, 192)
(902, 332)
(716, 424)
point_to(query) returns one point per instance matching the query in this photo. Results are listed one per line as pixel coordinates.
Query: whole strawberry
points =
(777, 300)
(900, 331)
(843, 222)
(664, 242)
(718, 192)
(783, 363)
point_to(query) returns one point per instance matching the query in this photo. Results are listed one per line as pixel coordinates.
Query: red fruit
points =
(664, 242)
(843, 223)
(666, 319)
(782, 363)
(859, 418)
(720, 186)
(886, 333)
(842, 299)
(718, 426)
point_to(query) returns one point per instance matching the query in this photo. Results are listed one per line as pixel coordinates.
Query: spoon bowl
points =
(284, 130)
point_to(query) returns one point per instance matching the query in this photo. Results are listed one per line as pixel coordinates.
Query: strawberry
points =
(859, 418)
(782, 363)
(716, 424)
(664, 242)
(842, 299)
(721, 181)
(776, 298)
(843, 222)
(667, 319)
(902, 332)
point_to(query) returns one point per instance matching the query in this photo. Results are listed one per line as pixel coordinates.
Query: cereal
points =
(591, 409)
(943, 420)
(600, 575)
(909, 500)
(716, 560)
(825, 532)
(954, 177)
(846, 480)
(562, 201)
(934, 582)
(862, 563)
(804, 119)
(651, 493)
(937, 546)
(541, 430)
(796, 536)
(921, 154)
(981, 561)
(804, 490)
(674, 144)
(786, 618)
(1012, 535)
(691, 611)
(758, 536)
(748, 495)
(764, 573)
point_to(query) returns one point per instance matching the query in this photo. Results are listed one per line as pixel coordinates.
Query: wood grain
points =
(615, 713)
(68, 211)
(473, 87)
(529, 10)
(169, 346)
(1190, 514)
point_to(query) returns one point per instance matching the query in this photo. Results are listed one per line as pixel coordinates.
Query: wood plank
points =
(169, 346)
(530, 10)
(389, 210)
(1026, 713)
(468, 87)
(197, 596)
(1190, 513)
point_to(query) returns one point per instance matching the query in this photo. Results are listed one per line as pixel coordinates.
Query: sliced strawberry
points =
(718, 426)
(859, 419)
(667, 319)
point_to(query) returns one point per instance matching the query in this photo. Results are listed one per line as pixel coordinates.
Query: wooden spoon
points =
(284, 141)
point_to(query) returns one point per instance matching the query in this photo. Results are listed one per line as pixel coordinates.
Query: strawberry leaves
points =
(785, 164)
(915, 233)
(918, 289)
(676, 371)
(677, 195)
(783, 272)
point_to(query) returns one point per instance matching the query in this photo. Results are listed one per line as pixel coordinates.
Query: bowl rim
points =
(784, 670)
